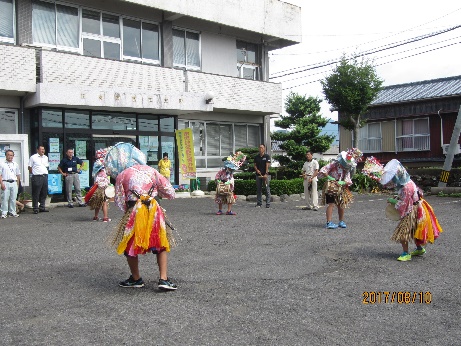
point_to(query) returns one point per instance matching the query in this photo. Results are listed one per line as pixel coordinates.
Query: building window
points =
(413, 135)
(55, 25)
(186, 49)
(7, 21)
(9, 121)
(140, 41)
(213, 141)
(370, 139)
(247, 58)
(101, 35)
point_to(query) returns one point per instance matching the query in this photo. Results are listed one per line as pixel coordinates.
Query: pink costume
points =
(143, 226)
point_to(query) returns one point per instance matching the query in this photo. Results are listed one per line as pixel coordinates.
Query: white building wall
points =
(237, 93)
(239, 14)
(17, 70)
(219, 54)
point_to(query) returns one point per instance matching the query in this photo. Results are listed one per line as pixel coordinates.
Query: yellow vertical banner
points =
(185, 144)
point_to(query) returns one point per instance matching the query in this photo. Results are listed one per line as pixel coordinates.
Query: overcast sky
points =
(331, 28)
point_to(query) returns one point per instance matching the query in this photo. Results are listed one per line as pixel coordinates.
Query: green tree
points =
(304, 124)
(350, 89)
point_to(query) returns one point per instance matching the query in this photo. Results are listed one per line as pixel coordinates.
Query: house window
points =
(140, 41)
(7, 21)
(55, 25)
(101, 35)
(213, 141)
(370, 139)
(186, 49)
(9, 121)
(246, 60)
(413, 135)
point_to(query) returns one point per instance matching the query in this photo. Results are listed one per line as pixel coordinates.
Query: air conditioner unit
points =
(445, 149)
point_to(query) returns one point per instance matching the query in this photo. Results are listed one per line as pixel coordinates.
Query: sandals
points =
(219, 212)
(230, 213)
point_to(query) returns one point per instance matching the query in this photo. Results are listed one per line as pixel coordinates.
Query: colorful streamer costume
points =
(142, 228)
(225, 175)
(418, 222)
(340, 170)
(100, 179)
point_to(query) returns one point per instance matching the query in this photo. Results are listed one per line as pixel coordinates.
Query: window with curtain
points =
(186, 49)
(55, 25)
(213, 141)
(413, 134)
(370, 139)
(7, 21)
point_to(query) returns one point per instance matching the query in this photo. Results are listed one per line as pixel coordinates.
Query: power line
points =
(371, 51)
(385, 63)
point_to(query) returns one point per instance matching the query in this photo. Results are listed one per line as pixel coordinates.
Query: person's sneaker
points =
(95, 218)
(15, 215)
(106, 219)
(306, 208)
(404, 257)
(166, 285)
(342, 224)
(43, 210)
(130, 282)
(82, 205)
(315, 209)
(268, 205)
(70, 205)
(35, 211)
(258, 205)
(418, 252)
(331, 225)
(4, 216)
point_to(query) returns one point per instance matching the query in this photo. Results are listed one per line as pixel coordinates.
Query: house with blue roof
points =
(411, 122)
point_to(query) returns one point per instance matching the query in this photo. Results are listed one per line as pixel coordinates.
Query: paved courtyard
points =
(263, 277)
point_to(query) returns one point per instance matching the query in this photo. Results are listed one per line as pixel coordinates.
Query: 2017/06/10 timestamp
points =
(399, 297)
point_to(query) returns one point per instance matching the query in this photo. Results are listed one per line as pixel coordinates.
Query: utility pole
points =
(451, 152)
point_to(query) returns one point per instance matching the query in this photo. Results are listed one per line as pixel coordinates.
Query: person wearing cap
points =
(339, 172)
(10, 179)
(226, 176)
(418, 222)
(164, 166)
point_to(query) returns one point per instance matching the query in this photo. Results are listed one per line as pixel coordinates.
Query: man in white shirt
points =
(10, 177)
(38, 167)
(310, 171)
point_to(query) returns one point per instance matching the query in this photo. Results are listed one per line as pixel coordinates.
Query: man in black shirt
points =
(262, 163)
(68, 169)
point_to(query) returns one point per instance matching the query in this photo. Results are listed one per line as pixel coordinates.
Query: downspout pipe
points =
(441, 128)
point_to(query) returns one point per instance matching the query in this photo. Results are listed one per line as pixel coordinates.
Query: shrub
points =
(278, 187)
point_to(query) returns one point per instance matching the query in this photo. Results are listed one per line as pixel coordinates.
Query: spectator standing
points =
(261, 165)
(70, 171)
(164, 166)
(38, 167)
(10, 178)
(310, 171)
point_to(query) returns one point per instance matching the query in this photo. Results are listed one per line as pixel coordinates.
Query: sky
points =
(382, 28)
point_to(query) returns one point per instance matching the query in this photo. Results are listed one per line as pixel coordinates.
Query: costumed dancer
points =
(226, 176)
(142, 228)
(336, 189)
(99, 199)
(418, 222)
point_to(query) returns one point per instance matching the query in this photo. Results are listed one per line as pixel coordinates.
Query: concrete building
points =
(87, 74)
